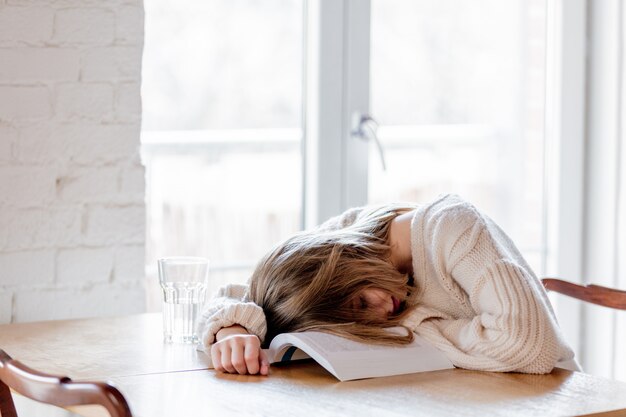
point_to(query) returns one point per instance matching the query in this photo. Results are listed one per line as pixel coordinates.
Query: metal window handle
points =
(364, 127)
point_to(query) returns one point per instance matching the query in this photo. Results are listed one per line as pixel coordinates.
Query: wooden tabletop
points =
(170, 380)
(99, 348)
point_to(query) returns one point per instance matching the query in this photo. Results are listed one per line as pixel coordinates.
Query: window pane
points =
(458, 89)
(222, 64)
(222, 130)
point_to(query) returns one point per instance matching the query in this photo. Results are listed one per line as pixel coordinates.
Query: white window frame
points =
(588, 233)
(337, 36)
(565, 141)
(337, 50)
(600, 335)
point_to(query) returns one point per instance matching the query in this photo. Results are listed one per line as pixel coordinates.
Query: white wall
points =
(71, 183)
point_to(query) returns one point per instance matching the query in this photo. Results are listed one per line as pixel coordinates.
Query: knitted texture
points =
(228, 307)
(478, 301)
(231, 306)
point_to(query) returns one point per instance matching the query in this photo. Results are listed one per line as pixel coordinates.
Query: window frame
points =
(337, 36)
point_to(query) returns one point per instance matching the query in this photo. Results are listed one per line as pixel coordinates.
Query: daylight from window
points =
(458, 90)
(221, 134)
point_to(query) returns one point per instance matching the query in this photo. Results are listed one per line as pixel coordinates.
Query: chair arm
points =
(596, 294)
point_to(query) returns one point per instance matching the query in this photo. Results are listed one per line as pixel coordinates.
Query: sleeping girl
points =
(443, 270)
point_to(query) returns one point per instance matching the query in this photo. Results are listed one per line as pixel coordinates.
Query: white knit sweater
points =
(478, 301)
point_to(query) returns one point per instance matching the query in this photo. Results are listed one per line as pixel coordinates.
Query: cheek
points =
(377, 297)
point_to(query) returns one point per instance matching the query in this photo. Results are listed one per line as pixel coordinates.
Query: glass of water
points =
(184, 283)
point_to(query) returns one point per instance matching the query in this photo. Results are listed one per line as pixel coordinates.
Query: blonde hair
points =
(309, 281)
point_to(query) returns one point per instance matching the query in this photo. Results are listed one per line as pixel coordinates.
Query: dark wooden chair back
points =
(55, 390)
(596, 294)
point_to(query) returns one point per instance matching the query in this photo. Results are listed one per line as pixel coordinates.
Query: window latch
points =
(365, 127)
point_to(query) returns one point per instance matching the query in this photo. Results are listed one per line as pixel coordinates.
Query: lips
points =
(396, 305)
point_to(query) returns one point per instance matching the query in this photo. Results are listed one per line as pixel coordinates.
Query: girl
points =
(442, 270)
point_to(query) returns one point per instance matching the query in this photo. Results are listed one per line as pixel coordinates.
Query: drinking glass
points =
(184, 284)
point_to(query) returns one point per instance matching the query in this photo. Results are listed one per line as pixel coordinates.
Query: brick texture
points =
(79, 143)
(85, 25)
(35, 64)
(27, 267)
(24, 103)
(126, 98)
(128, 31)
(27, 186)
(80, 265)
(8, 138)
(107, 225)
(112, 62)
(89, 185)
(6, 306)
(94, 301)
(132, 184)
(126, 269)
(72, 214)
(84, 101)
(25, 25)
(38, 228)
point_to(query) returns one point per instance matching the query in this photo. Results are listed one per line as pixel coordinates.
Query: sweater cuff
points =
(248, 315)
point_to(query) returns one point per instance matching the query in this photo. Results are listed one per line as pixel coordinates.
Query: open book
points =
(348, 360)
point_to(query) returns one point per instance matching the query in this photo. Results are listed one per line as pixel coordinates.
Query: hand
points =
(236, 351)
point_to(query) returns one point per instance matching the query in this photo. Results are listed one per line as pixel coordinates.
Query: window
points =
(458, 89)
(222, 130)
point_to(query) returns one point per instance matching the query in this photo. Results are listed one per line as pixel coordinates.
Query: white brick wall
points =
(24, 102)
(96, 300)
(8, 138)
(74, 265)
(35, 64)
(26, 25)
(88, 101)
(72, 215)
(6, 303)
(78, 143)
(27, 267)
(86, 26)
(27, 186)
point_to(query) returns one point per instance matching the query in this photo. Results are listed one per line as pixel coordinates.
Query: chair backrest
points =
(55, 390)
(596, 294)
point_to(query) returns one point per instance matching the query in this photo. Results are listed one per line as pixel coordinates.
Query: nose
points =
(379, 301)
(384, 304)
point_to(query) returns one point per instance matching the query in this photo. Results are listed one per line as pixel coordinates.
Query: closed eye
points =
(359, 303)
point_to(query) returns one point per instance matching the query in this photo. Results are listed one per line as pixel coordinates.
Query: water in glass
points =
(184, 284)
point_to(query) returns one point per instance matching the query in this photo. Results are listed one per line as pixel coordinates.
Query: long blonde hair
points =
(309, 281)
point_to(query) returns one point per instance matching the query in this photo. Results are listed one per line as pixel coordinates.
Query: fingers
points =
(264, 363)
(227, 363)
(251, 356)
(237, 359)
(216, 358)
(240, 354)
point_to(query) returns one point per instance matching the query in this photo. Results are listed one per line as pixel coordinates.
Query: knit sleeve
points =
(229, 307)
(507, 323)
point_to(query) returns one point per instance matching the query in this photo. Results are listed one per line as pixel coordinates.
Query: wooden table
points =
(172, 380)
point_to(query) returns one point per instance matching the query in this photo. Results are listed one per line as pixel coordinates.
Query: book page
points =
(327, 343)
(347, 359)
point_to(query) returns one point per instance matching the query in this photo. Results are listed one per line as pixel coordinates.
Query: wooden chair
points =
(596, 294)
(55, 390)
